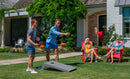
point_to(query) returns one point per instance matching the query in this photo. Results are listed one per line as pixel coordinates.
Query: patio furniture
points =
(84, 55)
(116, 56)
(19, 43)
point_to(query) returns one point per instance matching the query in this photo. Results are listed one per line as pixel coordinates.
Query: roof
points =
(93, 2)
(22, 3)
(7, 3)
(122, 3)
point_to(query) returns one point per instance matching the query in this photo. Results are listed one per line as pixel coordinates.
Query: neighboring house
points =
(100, 13)
(15, 23)
(104, 13)
(94, 22)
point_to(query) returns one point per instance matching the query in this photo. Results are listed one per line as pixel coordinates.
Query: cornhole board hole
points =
(58, 66)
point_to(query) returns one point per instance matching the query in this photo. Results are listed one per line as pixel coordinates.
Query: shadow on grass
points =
(74, 64)
(117, 60)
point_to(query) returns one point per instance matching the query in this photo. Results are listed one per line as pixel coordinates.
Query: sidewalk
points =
(25, 60)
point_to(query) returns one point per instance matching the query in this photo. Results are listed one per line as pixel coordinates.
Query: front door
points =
(102, 23)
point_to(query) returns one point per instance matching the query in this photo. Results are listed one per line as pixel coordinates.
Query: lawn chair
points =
(117, 56)
(84, 55)
(19, 43)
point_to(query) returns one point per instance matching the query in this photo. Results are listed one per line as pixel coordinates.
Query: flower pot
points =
(62, 44)
(42, 46)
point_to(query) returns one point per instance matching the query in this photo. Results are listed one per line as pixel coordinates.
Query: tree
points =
(68, 11)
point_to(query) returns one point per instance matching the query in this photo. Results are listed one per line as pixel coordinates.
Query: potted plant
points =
(42, 44)
(63, 41)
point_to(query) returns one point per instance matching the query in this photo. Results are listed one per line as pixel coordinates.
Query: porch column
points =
(30, 18)
(2, 42)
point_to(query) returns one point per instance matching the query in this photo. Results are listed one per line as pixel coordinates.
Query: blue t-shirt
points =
(118, 47)
(31, 32)
(53, 33)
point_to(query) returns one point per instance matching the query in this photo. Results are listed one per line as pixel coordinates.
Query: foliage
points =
(7, 49)
(24, 50)
(110, 35)
(1, 50)
(68, 11)
(12, 50)
(101, 51)
(17, 50)
(6, 9)
(43, 42)
(126, 51)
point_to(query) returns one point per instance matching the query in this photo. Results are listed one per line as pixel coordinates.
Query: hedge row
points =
(103, 51)
(11, 50)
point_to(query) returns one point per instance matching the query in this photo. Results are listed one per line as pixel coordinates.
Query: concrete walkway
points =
(25, 60)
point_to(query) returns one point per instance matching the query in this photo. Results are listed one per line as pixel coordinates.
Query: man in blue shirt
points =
(51, 40)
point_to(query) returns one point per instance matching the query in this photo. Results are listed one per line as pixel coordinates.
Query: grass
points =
(100, 70)
(6, 56)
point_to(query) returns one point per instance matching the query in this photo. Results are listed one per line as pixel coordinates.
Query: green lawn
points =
(6, 56)
(100, 70)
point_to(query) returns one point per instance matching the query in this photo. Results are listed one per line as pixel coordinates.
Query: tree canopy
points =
(68, 11)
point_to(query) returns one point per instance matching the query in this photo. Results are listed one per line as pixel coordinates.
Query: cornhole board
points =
(58, 66)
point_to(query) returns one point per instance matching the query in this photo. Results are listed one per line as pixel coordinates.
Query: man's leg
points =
(30, 62)
(47, 55)
(56, 54)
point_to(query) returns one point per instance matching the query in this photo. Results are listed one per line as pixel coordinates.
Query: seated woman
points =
(116, 46)
(88, 49)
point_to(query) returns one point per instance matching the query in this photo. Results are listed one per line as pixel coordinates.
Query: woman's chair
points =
(84, 55)
(117, 56)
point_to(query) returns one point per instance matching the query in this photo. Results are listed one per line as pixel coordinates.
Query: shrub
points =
(101, 51)
(7, 49)
(1, 50)
(12, 50)
(17, 50)
(24, 50)
(126, 51)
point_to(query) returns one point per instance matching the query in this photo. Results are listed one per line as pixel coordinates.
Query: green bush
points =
(24, 50)
(1, 50)
(101, 51)
(17, 50)
(7, 49)
(126, 51)
(12, 50)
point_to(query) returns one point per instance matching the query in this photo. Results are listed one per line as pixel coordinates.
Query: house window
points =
(126, 20)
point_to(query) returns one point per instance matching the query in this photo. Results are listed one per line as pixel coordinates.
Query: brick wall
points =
(93, 25)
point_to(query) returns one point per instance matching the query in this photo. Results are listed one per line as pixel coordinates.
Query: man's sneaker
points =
(34, 71)
(28, 70)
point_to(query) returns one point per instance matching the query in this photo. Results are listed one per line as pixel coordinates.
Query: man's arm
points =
(59, 33)
(30, 41)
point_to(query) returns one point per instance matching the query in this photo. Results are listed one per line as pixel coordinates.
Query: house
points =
(94, 22)
(100, 13)
(104, 13)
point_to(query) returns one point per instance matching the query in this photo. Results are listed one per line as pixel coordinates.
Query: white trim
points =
(15, 14)
(30, 18)
(2, 42)
(18, 12)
